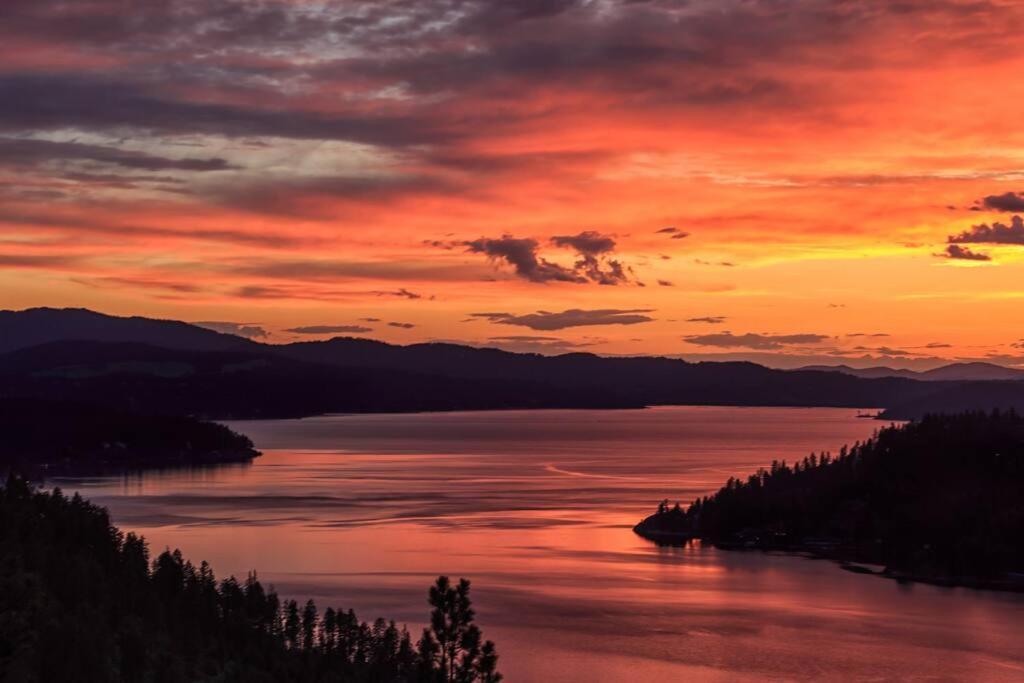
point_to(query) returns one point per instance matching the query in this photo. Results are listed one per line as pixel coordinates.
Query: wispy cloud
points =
(247, 330)
(329, 329)
(751, 340)
(546, 320)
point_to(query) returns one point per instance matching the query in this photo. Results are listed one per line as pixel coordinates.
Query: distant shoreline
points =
(551, 409)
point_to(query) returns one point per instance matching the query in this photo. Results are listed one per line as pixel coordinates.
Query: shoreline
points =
(549, 409)
(850, 563)
(41, 471)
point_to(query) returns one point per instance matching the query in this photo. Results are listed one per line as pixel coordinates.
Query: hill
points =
(941, 499)
(257, 383)
(640, 380)
(34, 326)
(49, 437)
(957, 397)
(161, 366)
(954, 372)
(81, 601)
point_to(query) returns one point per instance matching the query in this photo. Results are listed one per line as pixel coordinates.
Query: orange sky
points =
(824, 167)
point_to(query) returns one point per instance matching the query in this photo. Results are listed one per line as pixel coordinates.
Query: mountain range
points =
(954, 372)
(168, 366)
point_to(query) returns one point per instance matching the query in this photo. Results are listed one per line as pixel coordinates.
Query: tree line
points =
(940, 498)
(82, 601)
(43, 437)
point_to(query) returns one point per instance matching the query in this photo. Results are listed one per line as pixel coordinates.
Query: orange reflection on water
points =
(536, 508)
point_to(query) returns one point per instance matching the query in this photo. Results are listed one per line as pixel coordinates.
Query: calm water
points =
(536, 508)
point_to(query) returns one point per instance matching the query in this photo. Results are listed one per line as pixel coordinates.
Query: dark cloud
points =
(247, 330)
(761, 342)
(1008, 201)
(957, 252)
(330, 329)
(425, 79)
(608, 272)
(403, 293)
(674, 233)
(37, 261)
(709, 319)
(547, 321)
(297, 196)
(521, 254)
(664, 53)
(56, 102)
(30, 152)
(997, 233)
(81, 222)
(592, 247)
(592, 265)
(665, 283)
(404, 326)
(588, 243)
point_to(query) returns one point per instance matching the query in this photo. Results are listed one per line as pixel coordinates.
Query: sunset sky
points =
(787, 181)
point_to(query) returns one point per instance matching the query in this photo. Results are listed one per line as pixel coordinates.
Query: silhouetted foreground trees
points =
(64, 435)
(80, 601)
(939, 499)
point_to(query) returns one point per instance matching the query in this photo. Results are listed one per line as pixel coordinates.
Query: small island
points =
(939, 500)
(41, 437)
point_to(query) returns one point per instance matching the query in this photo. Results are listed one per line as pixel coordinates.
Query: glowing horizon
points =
(785, 182)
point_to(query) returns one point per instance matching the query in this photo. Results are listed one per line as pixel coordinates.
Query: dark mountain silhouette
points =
(865, 373)
(640, 380)
(257, 384)
(954, 372)
(22, 329)
(183, 369)
(973, 372)
(957, 397)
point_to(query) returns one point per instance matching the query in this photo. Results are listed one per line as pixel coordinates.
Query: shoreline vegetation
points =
(82, 601)
(938, 501)
(45, 438)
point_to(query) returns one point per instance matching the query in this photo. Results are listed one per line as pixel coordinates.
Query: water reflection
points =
(363, 511)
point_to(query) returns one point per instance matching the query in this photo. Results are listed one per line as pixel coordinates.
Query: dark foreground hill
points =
(940, 500)
(81, 601)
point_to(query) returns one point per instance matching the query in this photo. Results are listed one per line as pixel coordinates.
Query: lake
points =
(536, 508)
